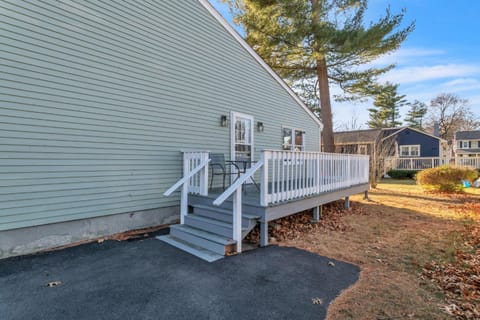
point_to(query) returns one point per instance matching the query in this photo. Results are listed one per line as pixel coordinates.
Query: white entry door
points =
(241, 137)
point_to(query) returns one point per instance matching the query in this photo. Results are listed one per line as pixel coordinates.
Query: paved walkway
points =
(148, 279)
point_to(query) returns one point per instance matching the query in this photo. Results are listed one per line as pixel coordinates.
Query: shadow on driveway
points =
(148, 279)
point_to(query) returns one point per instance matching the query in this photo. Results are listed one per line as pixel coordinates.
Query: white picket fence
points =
(417, 163)
(473, 162)
(420, 163)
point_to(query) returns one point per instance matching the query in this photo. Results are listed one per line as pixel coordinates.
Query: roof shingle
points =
(467, 135)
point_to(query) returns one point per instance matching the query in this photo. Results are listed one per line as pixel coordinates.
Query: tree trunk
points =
(325, 106)
(323, 86)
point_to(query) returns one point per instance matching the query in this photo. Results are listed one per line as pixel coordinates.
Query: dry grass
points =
(391, 237)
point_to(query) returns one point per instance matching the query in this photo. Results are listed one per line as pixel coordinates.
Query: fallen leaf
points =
(54, 283)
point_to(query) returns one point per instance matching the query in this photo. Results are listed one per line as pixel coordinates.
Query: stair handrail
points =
(186, 177)
(238, 183)
(236, 189)
(184, 182)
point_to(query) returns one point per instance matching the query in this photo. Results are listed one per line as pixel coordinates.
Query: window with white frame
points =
(410, 150)
(293, 139)
(465, 144)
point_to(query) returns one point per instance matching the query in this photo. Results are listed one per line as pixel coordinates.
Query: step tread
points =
(224, 211)
(191, 248)
(204, 234)
(212, 221)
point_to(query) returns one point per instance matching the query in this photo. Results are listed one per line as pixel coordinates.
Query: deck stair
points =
(207, 231)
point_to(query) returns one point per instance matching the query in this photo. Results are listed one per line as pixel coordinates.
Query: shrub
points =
(446, 178)
(402, 174)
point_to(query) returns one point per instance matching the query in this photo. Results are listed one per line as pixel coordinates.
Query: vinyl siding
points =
(429, 146)
(98, 98)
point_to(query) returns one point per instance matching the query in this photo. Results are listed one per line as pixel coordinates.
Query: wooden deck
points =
(212, 221)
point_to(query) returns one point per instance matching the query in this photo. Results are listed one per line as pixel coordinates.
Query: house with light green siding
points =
(102, 101)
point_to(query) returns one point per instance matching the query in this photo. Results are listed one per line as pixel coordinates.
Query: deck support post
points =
(263, 233)
(365, 197)
(317, 214)
(347, 202)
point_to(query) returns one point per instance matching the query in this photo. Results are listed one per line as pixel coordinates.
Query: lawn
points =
(417, 251)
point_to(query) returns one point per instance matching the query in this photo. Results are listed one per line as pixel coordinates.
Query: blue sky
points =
(441, 55)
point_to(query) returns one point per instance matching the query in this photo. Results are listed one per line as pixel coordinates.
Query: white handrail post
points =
(264, 181)
(237, 218)
(204, 175)
(184, 192)
(184, 203)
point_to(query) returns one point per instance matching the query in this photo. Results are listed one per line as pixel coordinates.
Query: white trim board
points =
(413, 129)
(262, 63)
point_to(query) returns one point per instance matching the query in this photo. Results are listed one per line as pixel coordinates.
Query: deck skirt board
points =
(251, 202)
(291, 207)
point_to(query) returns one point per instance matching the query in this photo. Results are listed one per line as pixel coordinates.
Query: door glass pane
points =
(243, 139)
(287, 139)
(298, 140)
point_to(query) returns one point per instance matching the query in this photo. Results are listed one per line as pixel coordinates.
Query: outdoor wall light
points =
(223, 120)
(260, 126)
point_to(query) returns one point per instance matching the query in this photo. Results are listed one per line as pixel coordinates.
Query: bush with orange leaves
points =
(446, 178)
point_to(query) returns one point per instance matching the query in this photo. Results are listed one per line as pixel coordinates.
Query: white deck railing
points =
(473, 162)
(198, 183)
(291, 175)
(194, 180)
(417, 163)
(287, 175)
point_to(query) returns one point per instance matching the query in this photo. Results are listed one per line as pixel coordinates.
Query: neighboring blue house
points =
(401, 142)
(399, 148)
(410, 143)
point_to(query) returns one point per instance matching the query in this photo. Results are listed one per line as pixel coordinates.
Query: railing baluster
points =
(287, 170)
(273, 193)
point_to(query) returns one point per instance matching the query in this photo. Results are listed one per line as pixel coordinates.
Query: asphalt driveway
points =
(148, 279)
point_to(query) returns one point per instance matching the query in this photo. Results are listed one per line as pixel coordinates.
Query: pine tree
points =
(416, 114)
(386, 110)
(311, 43)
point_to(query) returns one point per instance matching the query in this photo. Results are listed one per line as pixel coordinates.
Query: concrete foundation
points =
(33, 239)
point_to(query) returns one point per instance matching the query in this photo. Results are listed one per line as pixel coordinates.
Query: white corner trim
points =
(252, 52)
